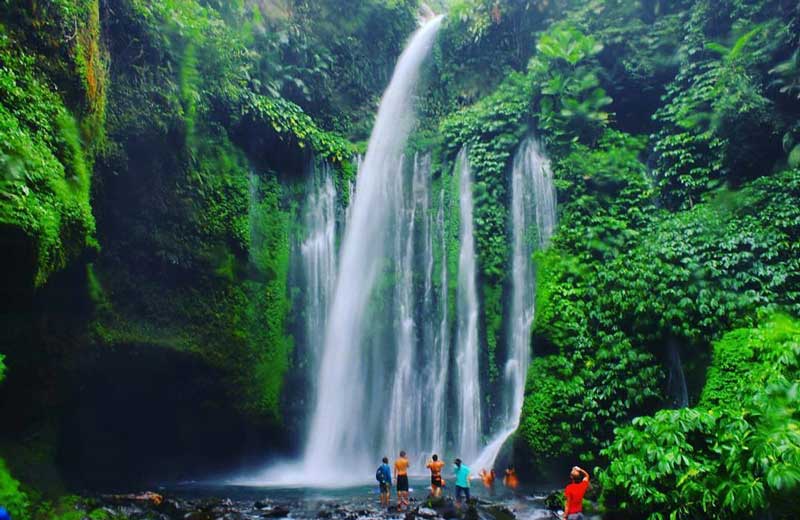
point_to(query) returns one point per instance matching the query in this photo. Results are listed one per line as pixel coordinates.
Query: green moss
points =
(270, 254)
(45, 173)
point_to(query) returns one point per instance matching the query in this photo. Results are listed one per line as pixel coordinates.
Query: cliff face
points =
(152, 155)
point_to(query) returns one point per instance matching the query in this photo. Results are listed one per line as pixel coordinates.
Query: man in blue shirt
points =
(384, 476)
(462, 481)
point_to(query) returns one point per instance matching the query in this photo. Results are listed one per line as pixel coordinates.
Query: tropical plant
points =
(787, 75)
(737, 454)
(569, 98)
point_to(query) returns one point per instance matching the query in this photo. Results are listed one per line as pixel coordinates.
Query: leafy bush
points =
(569, 99)
(44, 172)
(11, 496)
(717, 124)
(737, 454)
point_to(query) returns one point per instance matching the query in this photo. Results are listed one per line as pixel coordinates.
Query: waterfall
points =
(318, 257)
(533, 219)
(345, 428)
(676, 384)
(440, 363)
(467, 381)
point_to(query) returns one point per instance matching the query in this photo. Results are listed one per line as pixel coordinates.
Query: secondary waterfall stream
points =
(468, 405)
(533, 219)
(318, 254)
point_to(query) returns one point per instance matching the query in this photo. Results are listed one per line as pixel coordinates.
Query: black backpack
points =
(379, 475)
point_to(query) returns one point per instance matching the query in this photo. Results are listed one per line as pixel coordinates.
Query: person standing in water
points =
(462, 481)
(574, 493)
(436, 465)
(401, 477)
(510, 479)
(488, 480)
(384, 477)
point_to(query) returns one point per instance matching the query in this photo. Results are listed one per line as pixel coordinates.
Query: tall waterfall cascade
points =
(354, 389)
(533, 220)
(391, 303)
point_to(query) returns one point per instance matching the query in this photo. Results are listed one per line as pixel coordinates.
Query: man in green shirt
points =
(462, 481)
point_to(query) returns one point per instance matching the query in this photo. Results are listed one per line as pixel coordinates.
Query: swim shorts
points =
(402, 482)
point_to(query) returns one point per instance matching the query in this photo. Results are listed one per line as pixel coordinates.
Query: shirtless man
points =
(435, 465)
(401, 477)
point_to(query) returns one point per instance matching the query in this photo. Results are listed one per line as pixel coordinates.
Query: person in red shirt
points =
(574, 493)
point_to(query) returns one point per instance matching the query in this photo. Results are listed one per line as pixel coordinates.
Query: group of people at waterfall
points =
(461, 473)
(574, 492)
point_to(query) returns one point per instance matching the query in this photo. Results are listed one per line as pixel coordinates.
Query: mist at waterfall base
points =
(393, 370)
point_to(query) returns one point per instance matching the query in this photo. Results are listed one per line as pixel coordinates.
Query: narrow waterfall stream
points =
(533, 219)
(467, 383)
(318, 254)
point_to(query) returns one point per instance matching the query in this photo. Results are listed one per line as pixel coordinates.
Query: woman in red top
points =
(574, 493)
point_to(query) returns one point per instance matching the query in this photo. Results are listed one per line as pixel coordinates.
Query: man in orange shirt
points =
(401, 476)
(574, 494)
(435, 465)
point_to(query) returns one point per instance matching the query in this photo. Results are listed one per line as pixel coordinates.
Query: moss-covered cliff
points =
(153, 155)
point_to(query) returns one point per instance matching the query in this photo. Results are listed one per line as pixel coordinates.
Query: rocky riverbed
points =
(178, 506)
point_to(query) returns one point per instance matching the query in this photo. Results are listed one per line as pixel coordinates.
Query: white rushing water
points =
(318, 255)
(533, 220)
(440, 362)
(395, 354)
(341, 423)
(467, 383)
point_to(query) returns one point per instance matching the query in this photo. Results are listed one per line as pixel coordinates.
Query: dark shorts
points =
(385, 487)
(462, 491)
(575, 516)
(436, 481)
(402, 482)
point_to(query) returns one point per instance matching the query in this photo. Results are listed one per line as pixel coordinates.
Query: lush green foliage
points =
(736, 454)
(717, 123)
(570, 101)
(587, 376)
(625, 276)
(491, 130)
(23, 505)
(45, 177)
(12, 498)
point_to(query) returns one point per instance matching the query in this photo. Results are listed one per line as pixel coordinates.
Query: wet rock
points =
(554, 501)
(500, 512)
(275, 512)
(425, 512)
(262, 504)
(173, 508)
(199, 515)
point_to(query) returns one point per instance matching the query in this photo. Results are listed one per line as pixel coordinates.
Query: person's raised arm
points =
(582, 472)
